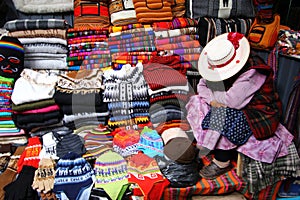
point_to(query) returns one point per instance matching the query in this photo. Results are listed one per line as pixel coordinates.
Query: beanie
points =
(125, 142)
(73, 173)
(150, 142)
(171, 133)
(11, 57)
(111, 173)
(69, 143)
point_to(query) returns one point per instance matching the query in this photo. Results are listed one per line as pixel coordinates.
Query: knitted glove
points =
(21, 187)
(49, 146)
(30, 156)
(44, 176)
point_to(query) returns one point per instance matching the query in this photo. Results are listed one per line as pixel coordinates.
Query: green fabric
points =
(33, 105)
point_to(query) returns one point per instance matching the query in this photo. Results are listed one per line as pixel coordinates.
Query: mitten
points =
(44, 176)
(30, 156)
(21, 187)
(10, 172)
(49, 146)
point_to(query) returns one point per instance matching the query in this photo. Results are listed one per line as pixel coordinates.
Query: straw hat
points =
(223, 56)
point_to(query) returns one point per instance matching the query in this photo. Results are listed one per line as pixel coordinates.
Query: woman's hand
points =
(216, 104)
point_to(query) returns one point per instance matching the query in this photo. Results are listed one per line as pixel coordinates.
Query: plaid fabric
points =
(260, 175)
(32, 24)
(263, 112)
(269, 193)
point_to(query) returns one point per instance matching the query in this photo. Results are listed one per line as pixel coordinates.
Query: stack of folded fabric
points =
(179, 37)
(44, 41)
(8, 128)
(88, 48)
(122, 12)
(79, 95)
(169, 90)
(130, 44)
(127, 96)
(33, 104)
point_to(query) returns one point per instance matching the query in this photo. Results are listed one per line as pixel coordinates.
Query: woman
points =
(236, 108)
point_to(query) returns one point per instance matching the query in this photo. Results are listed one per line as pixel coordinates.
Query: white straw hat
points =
(223, 56)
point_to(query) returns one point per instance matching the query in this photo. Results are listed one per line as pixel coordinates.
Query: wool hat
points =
(73, 173)
(144, 171)
(49, 146)
(224, 56)
(125, 142)
(111, 173)
(11, 57)
(69, 143)
(180, 149)
(150, 142)
(171, 133)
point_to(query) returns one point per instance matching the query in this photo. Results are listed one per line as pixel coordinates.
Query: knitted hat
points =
(69, 143)
(125, 142)
(144, 171)
(150, 142)
(73, 173)
(180, 149)
(171, 133)
(111, 173)
(49, 146)
(11, 57)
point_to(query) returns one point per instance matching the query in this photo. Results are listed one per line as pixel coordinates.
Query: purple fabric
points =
(198, 106)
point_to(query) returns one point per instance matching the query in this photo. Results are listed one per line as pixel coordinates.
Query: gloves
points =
(21, 187)
(49, 146)
(44, 176)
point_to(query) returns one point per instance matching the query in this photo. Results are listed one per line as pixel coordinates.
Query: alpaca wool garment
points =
(125, 142)
(150, 142)
(74, 176)
(145, 172)
(111, 173)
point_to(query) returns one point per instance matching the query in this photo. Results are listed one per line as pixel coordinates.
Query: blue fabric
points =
(229, 122)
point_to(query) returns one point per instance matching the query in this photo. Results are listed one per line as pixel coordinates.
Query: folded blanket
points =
(44, 33)
(43, 6)
(32, 24)
(122, 12)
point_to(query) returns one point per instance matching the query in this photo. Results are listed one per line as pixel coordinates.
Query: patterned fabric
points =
(90, 14)
(176, 23)
(122, 12)
(220, 9)
(225, 183)
(259, 175)
(264, 110)
(31, 24)
(230, 122)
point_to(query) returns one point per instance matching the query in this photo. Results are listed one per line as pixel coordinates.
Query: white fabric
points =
(44, 6)
(33, 86)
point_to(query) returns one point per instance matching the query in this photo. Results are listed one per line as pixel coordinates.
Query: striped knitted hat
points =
(125, 142)
(150, 142)
(73, 173)
(12, 57)
(111, 173)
